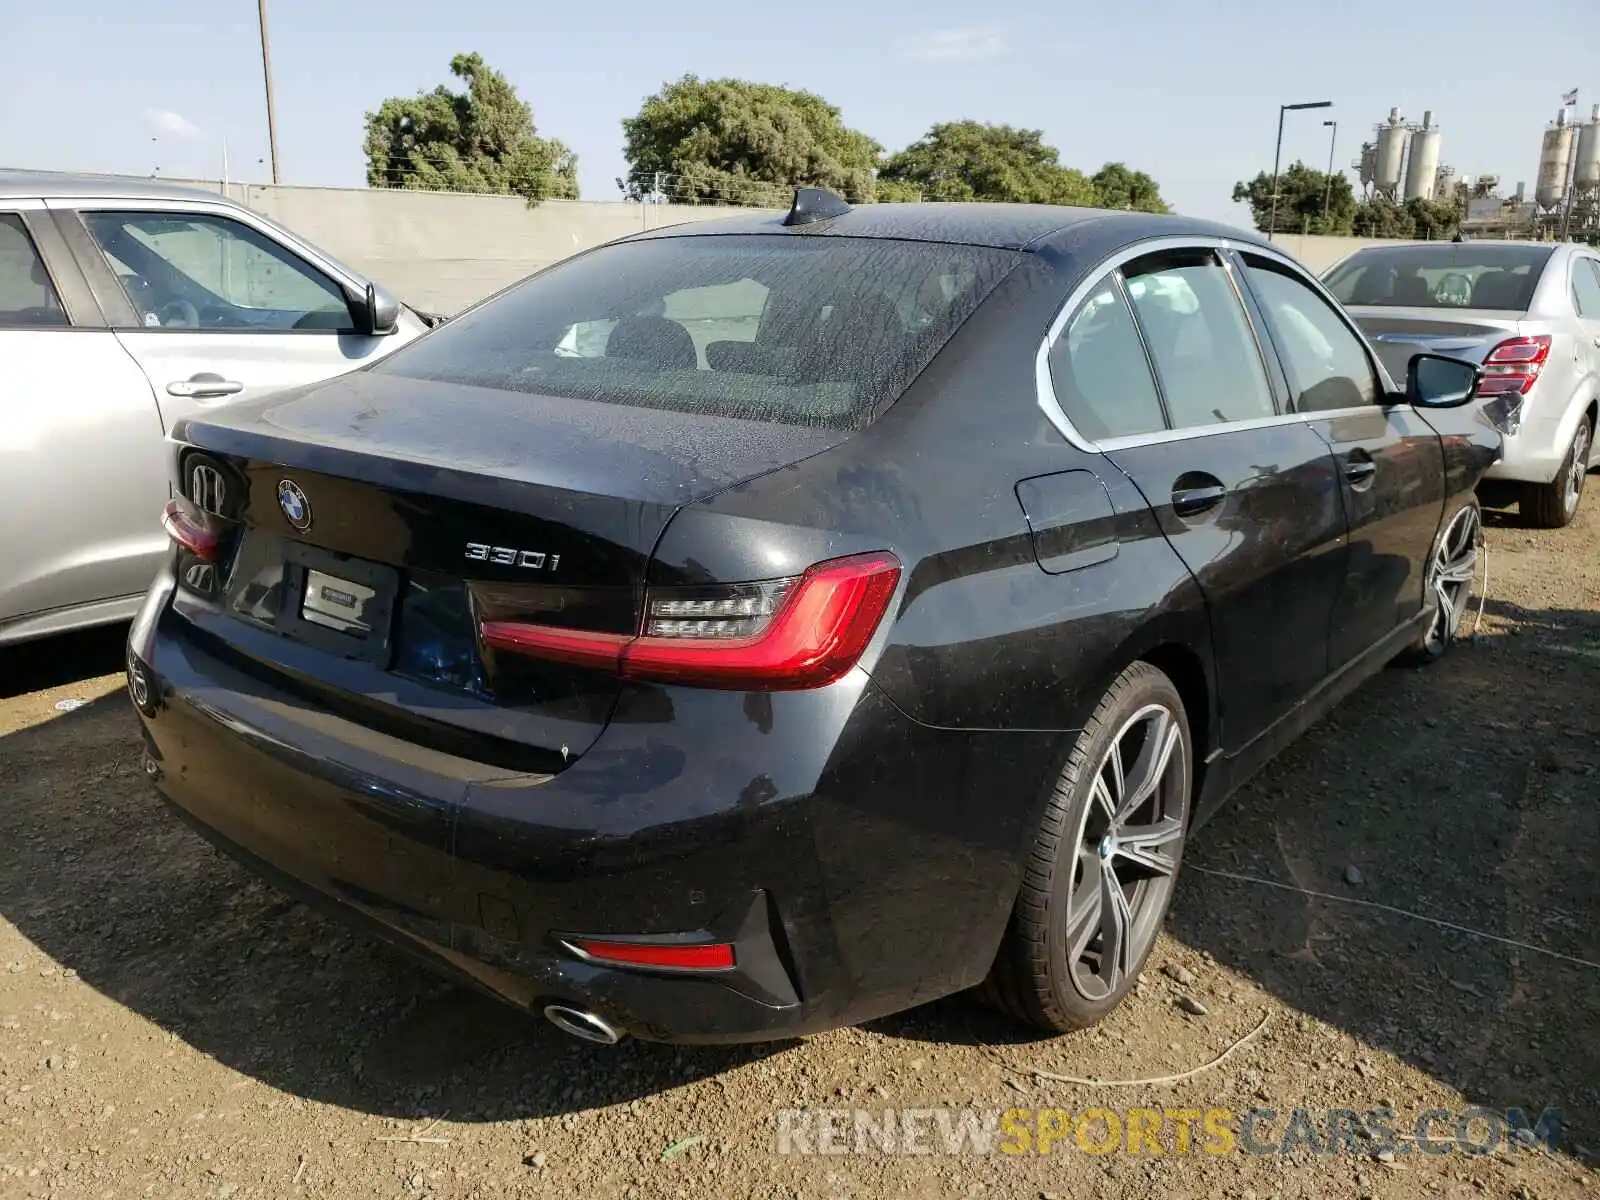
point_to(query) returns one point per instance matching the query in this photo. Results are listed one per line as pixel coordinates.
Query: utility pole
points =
(266, 74)
(1327, 193)
(1277, 155)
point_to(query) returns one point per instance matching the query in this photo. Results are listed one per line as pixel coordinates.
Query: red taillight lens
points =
(781, 635)
(715, 957)
(188, 526)
(1514, 365)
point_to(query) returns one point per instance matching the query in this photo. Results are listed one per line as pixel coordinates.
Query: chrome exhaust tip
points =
(580, 1023)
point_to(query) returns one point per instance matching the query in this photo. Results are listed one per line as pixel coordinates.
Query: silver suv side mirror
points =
(376, 312)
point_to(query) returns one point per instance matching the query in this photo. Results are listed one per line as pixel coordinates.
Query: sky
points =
(1186, 91)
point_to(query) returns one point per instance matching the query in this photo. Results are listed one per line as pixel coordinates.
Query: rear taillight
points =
(188, 527)
(1514, 365)
(779, 635)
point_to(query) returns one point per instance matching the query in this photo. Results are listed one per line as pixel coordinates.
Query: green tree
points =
(1309, 201)
(966, 160)
(480, 140)
(1433, 220)
(734, 141)
(1118, 187)
(891, 191)
(1381, 217)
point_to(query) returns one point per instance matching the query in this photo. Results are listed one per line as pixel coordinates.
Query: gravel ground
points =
(171, 1028)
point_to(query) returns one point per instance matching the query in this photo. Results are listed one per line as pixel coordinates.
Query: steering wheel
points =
(180, 314)
(1455, 290)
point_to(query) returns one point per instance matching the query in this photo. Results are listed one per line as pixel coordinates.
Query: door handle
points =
(1359, 473)
(203, 386)
(1189, 502)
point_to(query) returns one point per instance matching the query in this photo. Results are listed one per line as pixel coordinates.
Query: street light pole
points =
(1277, 154)
(1327, 193)
(266, 74)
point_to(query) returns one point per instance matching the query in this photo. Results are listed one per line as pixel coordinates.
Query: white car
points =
(126, 305)
(1530, 313)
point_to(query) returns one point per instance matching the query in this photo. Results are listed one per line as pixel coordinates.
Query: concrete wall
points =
(441, 251)
(1319, 253)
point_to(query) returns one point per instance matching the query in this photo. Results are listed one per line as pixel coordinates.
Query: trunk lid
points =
(380, 518)
(1397, 334)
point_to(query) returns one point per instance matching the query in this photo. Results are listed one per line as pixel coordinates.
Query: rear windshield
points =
(818, 331)
(1449, 275)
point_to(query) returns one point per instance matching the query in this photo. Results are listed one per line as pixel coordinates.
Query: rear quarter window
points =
(818, 331)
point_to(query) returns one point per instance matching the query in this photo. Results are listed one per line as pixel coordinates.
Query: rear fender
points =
(1581, 406)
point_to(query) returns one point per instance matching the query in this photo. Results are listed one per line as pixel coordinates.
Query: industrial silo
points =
(1445, 184)
(1367, 165)
(1392, 136)
(1555, 156)
(1423, 168)
(1587, 172)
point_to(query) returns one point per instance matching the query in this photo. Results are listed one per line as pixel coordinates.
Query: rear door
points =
(1390, 464)
(1246, 495)
(82, 470)
(1586, 301)
(213, 307)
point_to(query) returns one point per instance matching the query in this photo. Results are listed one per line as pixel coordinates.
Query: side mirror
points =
(376, 312)
(1437, 381)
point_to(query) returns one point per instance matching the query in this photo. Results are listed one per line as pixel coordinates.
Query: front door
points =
(1586, 302)
(218, 311)
(1390, 462)
(1245, 495)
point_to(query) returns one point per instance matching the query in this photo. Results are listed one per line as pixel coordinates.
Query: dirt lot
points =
(169, 1027)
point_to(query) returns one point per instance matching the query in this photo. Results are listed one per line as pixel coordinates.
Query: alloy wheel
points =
(1578, 467)
(1128, 849)
(1454, 567)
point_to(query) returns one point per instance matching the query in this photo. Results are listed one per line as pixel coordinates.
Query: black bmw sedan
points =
(758, 626)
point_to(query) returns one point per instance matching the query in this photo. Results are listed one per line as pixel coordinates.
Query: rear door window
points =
(1586, 288)
(1204, 347)
(28, 299)
(822, 331)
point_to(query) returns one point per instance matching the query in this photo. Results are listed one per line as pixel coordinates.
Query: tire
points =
(1553, 505)
(1452, 569)
(1036, 978)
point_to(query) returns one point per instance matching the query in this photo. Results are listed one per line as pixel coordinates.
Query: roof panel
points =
(52, 185)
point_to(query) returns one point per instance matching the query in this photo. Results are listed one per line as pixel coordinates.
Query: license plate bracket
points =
(342, 605)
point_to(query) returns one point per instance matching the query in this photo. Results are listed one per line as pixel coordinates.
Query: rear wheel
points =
(1100, 878)
(1451, 573)
(1553, 505)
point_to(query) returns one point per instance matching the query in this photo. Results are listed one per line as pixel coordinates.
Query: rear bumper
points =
(860, 862)
(1534, 453)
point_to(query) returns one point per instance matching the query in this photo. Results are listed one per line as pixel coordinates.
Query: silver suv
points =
(126, 305)
(1530, 313)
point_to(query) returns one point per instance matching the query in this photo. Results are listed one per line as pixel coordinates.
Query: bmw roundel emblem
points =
(294, 504)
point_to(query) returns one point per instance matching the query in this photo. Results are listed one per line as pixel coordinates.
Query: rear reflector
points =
(780, 635)
(1513, 367)
(717, 957)
(188, 527)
